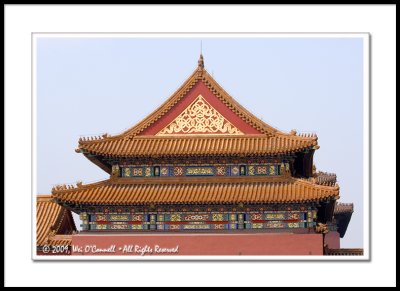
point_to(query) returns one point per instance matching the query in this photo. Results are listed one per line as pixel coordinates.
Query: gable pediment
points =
(200, 117)
(199, 111)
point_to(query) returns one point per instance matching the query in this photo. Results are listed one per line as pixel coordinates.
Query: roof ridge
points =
(174, 136)
(204, 136)
(300, 136)
(195, 180)
(65, 188)
(308, 182)
(162, 193)
(44, 198)
(239, 108)
(100, 139)
(168, 180)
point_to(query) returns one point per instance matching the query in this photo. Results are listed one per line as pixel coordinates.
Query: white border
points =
(378, 20)
(366, 128)
(34, 145)
(366, 146)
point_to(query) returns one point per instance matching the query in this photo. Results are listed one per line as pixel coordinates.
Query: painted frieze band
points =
(203, 170)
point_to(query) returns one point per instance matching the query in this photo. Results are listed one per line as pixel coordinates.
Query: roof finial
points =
(201, 62)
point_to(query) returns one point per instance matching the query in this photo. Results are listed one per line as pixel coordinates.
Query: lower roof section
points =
(225, 190)
(344, 208)
(342, 214)
(60, 240)
(50, 219)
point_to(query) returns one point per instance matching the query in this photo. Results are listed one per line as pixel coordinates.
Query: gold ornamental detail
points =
(321, 228)
(200, 117)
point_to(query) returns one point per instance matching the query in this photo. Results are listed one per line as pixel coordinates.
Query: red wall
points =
(201, 244)
(332, 239)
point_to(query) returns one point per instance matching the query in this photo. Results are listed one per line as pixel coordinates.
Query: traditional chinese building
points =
(201, 163)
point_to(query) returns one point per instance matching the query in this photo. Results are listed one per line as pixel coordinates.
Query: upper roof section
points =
(199, 108)
(199, 145)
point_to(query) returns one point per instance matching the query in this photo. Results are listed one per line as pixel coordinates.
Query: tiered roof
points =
(199, 119)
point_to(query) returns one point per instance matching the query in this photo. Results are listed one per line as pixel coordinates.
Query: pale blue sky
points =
(89, 86)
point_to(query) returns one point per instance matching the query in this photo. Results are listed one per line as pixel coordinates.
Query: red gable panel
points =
(200, 89)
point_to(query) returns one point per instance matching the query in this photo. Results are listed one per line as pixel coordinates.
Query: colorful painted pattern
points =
(167, 221)
(234, 170)
(203, 170)
(136, 171)
(263, 170)
(164, 172)
(200, 171)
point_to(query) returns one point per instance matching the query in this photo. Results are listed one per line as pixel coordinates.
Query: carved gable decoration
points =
(200, 118)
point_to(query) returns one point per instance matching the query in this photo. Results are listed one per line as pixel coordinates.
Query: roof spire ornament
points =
(201, 62)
